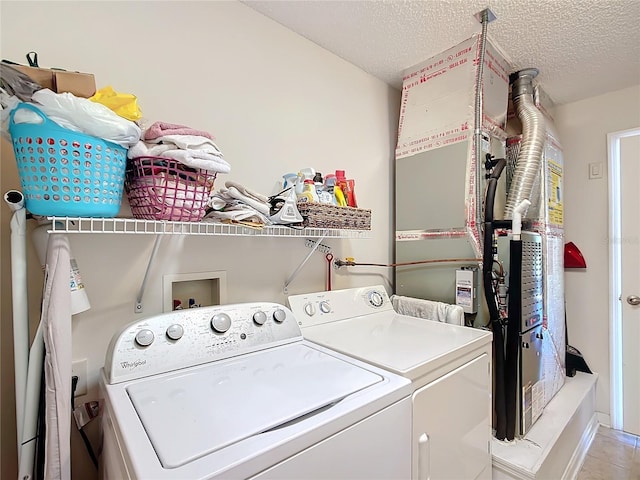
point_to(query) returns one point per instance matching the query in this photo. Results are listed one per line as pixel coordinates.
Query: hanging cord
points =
(87, 443)
(491, 299)
(350, 263)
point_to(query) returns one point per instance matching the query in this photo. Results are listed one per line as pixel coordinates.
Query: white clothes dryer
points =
(235, 392)
(449, 366)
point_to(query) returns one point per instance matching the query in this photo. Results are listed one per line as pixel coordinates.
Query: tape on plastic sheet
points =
(426, 91)
(415, 235)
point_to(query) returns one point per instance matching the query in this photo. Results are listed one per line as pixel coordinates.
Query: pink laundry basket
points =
(164, 189)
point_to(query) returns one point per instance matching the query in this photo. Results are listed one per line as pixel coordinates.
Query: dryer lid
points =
(405, 345)
(203, 409)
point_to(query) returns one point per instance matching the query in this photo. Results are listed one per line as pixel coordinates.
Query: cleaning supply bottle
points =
(329, 185)
(309, 192)
(317, 181)
(346, 187)
(351, 184)
(340, 198)
(299, 185)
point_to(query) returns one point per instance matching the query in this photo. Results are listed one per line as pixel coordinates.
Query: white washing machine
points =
(235, 392)
(449, 366)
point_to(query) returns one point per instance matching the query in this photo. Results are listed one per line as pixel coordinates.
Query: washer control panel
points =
(194, 336)
(324, 307)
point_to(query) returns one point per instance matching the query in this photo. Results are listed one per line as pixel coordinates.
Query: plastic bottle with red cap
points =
(347, 186)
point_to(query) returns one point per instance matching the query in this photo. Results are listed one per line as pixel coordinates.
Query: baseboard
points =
(604, 419)
(577, 459)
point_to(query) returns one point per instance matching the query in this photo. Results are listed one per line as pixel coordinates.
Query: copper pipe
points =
(344, 263)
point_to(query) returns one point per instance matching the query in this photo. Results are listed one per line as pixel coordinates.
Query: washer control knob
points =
(175, 331)
(324, 306)
(260, 317)
(279, 315)
(309, 309)
(221, 322)
(144, 338)
(375, 298)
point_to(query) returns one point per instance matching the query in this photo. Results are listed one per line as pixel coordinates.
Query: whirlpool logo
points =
(132, 365)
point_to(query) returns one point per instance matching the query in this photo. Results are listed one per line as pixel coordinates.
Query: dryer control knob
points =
(325, 307)
(279, 315)
(376, 299)
(221, 322)
(144, 338)
(309, 309)
(260, 317)
(175, 331)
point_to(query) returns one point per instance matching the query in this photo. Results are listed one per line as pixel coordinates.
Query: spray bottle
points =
(330, 183)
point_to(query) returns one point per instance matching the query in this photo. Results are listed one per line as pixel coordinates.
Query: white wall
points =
(583, 127)
(275, 103)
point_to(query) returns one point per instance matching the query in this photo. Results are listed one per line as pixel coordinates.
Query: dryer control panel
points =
(194, 336)
(335, 305)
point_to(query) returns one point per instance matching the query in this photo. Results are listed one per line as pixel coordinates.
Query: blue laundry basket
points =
(66, 173)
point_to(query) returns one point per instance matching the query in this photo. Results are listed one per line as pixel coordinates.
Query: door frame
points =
(615, 277)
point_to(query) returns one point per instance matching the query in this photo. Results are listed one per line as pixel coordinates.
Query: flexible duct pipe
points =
(529, 158)
(15, 200)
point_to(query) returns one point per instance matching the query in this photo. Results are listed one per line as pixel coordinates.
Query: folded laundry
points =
(198, 159)
(262, 207)
(141, 149)
(159, 129)
(245, 191)
(225, 197)
(188, 142)
(237, 213)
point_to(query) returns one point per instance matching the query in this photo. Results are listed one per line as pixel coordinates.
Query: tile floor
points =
(613, 455)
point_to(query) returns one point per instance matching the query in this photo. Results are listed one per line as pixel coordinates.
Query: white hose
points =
(15, 200)
(519, 212)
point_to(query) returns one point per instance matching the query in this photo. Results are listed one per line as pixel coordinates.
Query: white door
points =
(630, 285)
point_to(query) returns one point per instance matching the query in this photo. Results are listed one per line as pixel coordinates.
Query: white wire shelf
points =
(156, 227)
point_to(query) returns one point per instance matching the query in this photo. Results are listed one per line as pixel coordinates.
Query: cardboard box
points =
(79, 84)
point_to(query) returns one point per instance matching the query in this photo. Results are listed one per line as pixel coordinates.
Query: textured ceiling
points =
(582, 48)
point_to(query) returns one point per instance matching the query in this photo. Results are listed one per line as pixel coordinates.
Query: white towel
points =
(237, 213)
(56, 323)
(262, 207)
(189, 142)
(143, 149)
(245, 191)
(428, 309)
(198, 159)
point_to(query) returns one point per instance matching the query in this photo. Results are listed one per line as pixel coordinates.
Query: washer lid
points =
(206, 408)
(405, 345)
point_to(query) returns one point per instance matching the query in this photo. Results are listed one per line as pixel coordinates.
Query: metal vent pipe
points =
(529, 159)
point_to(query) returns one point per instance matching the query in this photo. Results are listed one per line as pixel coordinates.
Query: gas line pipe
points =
(350, 262)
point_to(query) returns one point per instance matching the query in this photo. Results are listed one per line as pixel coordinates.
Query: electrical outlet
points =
(79, 369)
